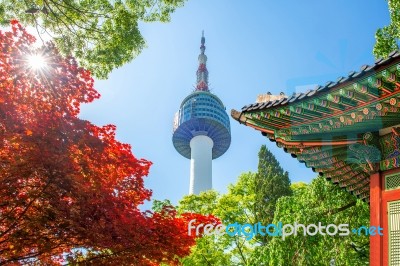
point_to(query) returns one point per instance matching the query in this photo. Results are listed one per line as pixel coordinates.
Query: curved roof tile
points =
(318, 88)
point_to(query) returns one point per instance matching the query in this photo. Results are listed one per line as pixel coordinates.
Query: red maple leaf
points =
(67, 185)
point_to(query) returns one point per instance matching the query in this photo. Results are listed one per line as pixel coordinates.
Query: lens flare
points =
(36, 61)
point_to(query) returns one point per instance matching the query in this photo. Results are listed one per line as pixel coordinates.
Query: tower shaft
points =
(200, 164)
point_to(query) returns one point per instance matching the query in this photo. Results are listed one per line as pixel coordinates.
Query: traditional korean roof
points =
(341, 130)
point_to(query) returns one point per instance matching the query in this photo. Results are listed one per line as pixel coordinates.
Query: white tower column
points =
(200, 164)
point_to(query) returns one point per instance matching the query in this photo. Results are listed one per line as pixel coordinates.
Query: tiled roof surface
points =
(353, 75)
(333, 128)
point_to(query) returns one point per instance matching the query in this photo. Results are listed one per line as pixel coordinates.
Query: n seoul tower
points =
(201, 129)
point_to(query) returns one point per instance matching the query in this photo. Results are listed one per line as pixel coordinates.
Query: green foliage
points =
(387, 37)
(209, 250)
(235, 206)
(159, 205)
(204, 203)
(101, 34)
(250, 200)
(298, 186)
(319, 201)
(271, 183)
(322, 202)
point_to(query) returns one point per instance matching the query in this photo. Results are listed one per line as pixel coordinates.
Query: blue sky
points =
(253, 47)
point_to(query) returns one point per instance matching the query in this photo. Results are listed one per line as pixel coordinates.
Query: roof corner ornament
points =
(269, 97)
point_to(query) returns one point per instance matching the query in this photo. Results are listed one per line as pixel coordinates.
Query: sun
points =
(36, 61)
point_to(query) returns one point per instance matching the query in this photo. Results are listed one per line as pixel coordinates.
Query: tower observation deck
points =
(201, 130)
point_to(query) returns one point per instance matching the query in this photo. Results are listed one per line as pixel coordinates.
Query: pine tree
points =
(271, 183)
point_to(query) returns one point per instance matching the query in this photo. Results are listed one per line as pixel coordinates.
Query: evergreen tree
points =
(250, 200)
(271, 183)
(317, 202)
(268, 197)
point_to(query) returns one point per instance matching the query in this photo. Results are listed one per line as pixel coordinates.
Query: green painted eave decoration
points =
(369, 102)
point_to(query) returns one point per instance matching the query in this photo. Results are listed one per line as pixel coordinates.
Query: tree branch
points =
(337, 210)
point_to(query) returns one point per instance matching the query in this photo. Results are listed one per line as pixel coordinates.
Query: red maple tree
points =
(68, 189)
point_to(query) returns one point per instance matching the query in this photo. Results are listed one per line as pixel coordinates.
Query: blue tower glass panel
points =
(201, 113)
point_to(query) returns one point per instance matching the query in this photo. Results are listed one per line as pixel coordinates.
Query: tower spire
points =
(202, 72)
